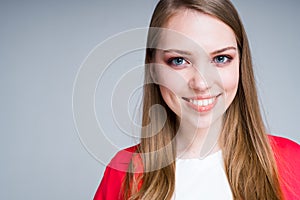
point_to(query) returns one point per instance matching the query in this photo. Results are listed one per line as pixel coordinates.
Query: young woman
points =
(213, 144)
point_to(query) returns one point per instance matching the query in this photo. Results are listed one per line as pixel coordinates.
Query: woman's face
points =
(197, 67)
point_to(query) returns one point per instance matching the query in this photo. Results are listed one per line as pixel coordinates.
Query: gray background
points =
(42, 45)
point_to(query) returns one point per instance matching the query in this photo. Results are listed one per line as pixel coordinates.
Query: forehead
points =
(202, 29)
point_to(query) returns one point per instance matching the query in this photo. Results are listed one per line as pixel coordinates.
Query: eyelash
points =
(170, 62)
(214, 60)
(229, 59)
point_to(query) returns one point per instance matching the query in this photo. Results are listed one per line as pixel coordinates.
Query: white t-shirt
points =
(201, 179)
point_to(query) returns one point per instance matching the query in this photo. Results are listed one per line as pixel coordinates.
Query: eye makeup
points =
(179, 59)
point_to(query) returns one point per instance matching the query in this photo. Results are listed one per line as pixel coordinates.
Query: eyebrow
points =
(223, 49)
(189, 53)
(177, 51)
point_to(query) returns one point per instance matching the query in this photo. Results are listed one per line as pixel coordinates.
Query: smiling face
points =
(197, 67)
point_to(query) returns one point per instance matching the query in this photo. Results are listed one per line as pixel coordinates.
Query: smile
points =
(204, 102)
(201, 104)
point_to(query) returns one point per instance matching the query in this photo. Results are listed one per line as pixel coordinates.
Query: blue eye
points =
(178, 61)
(222, 59)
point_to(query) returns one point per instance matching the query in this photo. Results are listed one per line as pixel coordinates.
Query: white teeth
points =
(200, 103)
(204, 102)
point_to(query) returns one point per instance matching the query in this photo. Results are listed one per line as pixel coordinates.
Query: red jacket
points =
(287, 154)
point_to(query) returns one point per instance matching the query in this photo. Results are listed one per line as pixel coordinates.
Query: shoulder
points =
(287, 155)
(285, 147)
(284, 143)
(286, 152)
(111, 184)
(122, 159)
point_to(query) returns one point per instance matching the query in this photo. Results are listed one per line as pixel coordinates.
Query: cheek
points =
(171, 100)
(230, 80)
(168, 78)
(171, 84)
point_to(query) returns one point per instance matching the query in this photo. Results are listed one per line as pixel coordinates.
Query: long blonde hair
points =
(249, 162)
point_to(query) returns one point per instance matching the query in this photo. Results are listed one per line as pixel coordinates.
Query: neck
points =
(193, 142)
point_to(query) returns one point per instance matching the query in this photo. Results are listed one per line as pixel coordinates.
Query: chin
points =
(199, 123)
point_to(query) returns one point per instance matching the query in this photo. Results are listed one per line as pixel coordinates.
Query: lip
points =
(204, 103)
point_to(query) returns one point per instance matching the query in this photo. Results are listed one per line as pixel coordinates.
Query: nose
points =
(198, 82)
